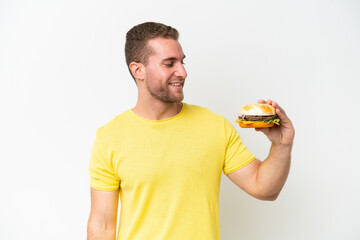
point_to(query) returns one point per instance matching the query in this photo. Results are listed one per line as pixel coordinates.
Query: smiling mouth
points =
(176, 84)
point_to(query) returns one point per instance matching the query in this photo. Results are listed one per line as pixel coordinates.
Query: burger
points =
(256, 115)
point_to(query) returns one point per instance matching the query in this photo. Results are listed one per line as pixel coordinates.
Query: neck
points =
(157, 110)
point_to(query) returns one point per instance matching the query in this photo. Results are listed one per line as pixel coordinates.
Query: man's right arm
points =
(103, 215)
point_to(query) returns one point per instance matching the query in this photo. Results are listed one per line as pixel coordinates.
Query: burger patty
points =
(259, 118)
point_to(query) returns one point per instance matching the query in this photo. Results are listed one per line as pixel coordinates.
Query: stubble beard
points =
(164, 95)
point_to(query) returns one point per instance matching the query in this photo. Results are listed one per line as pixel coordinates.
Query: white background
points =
(63, 75)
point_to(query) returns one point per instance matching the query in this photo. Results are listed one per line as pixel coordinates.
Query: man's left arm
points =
(264, 180)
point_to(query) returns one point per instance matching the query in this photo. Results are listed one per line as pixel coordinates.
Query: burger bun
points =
(257, 109)
(252, 124)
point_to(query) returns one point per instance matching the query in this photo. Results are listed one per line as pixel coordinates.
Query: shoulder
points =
(203, 112)
(210, 116)
(206, 117)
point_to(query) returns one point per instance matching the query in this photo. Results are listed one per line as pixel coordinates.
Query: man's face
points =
(164, 73)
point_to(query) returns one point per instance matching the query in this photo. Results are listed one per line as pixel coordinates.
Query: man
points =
(165, 157)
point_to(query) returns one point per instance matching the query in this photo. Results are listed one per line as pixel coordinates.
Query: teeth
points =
(175, 84)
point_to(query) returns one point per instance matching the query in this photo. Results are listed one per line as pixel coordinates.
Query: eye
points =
(169, 64)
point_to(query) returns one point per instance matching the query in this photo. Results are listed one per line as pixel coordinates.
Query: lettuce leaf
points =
(275, 120)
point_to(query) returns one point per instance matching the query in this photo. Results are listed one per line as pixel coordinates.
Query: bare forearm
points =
(103, 215)
(273, 172)
(100, 231)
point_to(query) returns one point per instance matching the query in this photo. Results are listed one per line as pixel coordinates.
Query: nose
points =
(181, 72)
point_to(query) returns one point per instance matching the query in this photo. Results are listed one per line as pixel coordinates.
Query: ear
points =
(137, 70)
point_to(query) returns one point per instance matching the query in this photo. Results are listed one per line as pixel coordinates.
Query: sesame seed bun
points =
(257, 109)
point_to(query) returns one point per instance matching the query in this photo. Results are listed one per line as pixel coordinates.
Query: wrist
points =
(286, 141)
(282, 146)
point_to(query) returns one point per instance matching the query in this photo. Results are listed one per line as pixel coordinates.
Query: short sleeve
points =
(236, 155)
(102, 174)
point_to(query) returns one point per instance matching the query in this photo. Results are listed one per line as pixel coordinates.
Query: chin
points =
(174, 98)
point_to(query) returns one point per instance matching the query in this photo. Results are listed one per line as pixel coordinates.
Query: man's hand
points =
(283, 134)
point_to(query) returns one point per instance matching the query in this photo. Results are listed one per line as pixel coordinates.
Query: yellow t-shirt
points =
(168, 172)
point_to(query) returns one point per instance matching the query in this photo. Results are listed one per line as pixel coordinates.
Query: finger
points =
(276, 105)
(261, 101)
(280, 112)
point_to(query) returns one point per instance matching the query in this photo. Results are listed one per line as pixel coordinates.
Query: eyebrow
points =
(172, 59)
